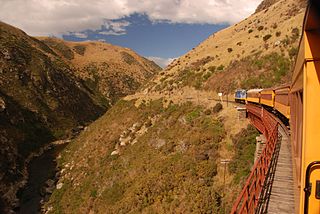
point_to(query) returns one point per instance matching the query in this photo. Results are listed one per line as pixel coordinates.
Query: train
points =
(240, 96)
(276, 99)
(299, 103)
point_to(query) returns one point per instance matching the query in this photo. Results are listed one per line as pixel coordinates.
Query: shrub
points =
(293, 52)
(217, 108)
(80, 49)
(220, 68)
(274, 25)
(207, 75)
(266, 37)
(278, 33)
(212, 68)
(250, 31)
(230, 50)
(207, 112)
(244, 144)
(193, 114)
(260, 28)
(295, 34)
(286, 41)
(276, 67)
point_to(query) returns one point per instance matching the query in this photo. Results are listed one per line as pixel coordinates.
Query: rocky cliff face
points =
(42, 97)
(265, 4)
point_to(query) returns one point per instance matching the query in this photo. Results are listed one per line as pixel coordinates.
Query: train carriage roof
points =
(256, 90)
(283, 87)
(267, 89)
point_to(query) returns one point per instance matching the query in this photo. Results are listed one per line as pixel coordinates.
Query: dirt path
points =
(198, 97)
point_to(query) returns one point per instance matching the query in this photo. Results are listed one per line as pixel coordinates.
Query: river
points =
(40, 170)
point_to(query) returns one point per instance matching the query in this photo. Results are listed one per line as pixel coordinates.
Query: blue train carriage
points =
(240, 96)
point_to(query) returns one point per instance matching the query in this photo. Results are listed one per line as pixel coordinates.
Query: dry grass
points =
(244, 39)
(108, 71)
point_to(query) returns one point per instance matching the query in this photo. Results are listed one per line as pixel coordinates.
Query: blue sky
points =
(158, 40)
(157, 29)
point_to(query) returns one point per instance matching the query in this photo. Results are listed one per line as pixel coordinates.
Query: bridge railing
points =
(265, 122)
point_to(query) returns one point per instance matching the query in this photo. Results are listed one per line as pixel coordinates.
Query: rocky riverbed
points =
(43, 174)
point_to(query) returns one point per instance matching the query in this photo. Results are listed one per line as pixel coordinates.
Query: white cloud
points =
(107, 33)
(114, 27)
(79, 35)
(45, 17)
(162, 62)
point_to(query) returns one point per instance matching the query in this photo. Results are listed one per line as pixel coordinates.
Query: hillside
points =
(162, 155)
(110, 70)
(43, 96)
(256, 52)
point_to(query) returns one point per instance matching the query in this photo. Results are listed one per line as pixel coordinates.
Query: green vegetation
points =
(293, 52)
(207, 75)
(220, 67)
(183, 140)
(193, 115)
(191, 78)
(80, 49)
(276, 67)
(200, 63)
(295, 34)
(245, 145)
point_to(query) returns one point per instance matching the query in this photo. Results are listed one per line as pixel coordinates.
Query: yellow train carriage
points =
(281, 100)
(305, 112)
(267, 97)
(253, 95)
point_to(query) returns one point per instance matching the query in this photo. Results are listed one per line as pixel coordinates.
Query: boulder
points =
(115, 152)
(2, 105)
(59, 185)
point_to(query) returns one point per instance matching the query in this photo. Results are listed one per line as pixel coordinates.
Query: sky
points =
(160, 30)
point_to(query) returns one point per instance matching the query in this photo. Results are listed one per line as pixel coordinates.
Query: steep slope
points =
(151, 160)
(40, 99)
(256, 52)
(163, 154)
(43, 97)
(106, 69)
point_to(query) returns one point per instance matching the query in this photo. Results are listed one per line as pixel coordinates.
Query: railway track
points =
(270, 186)
(282, 191)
